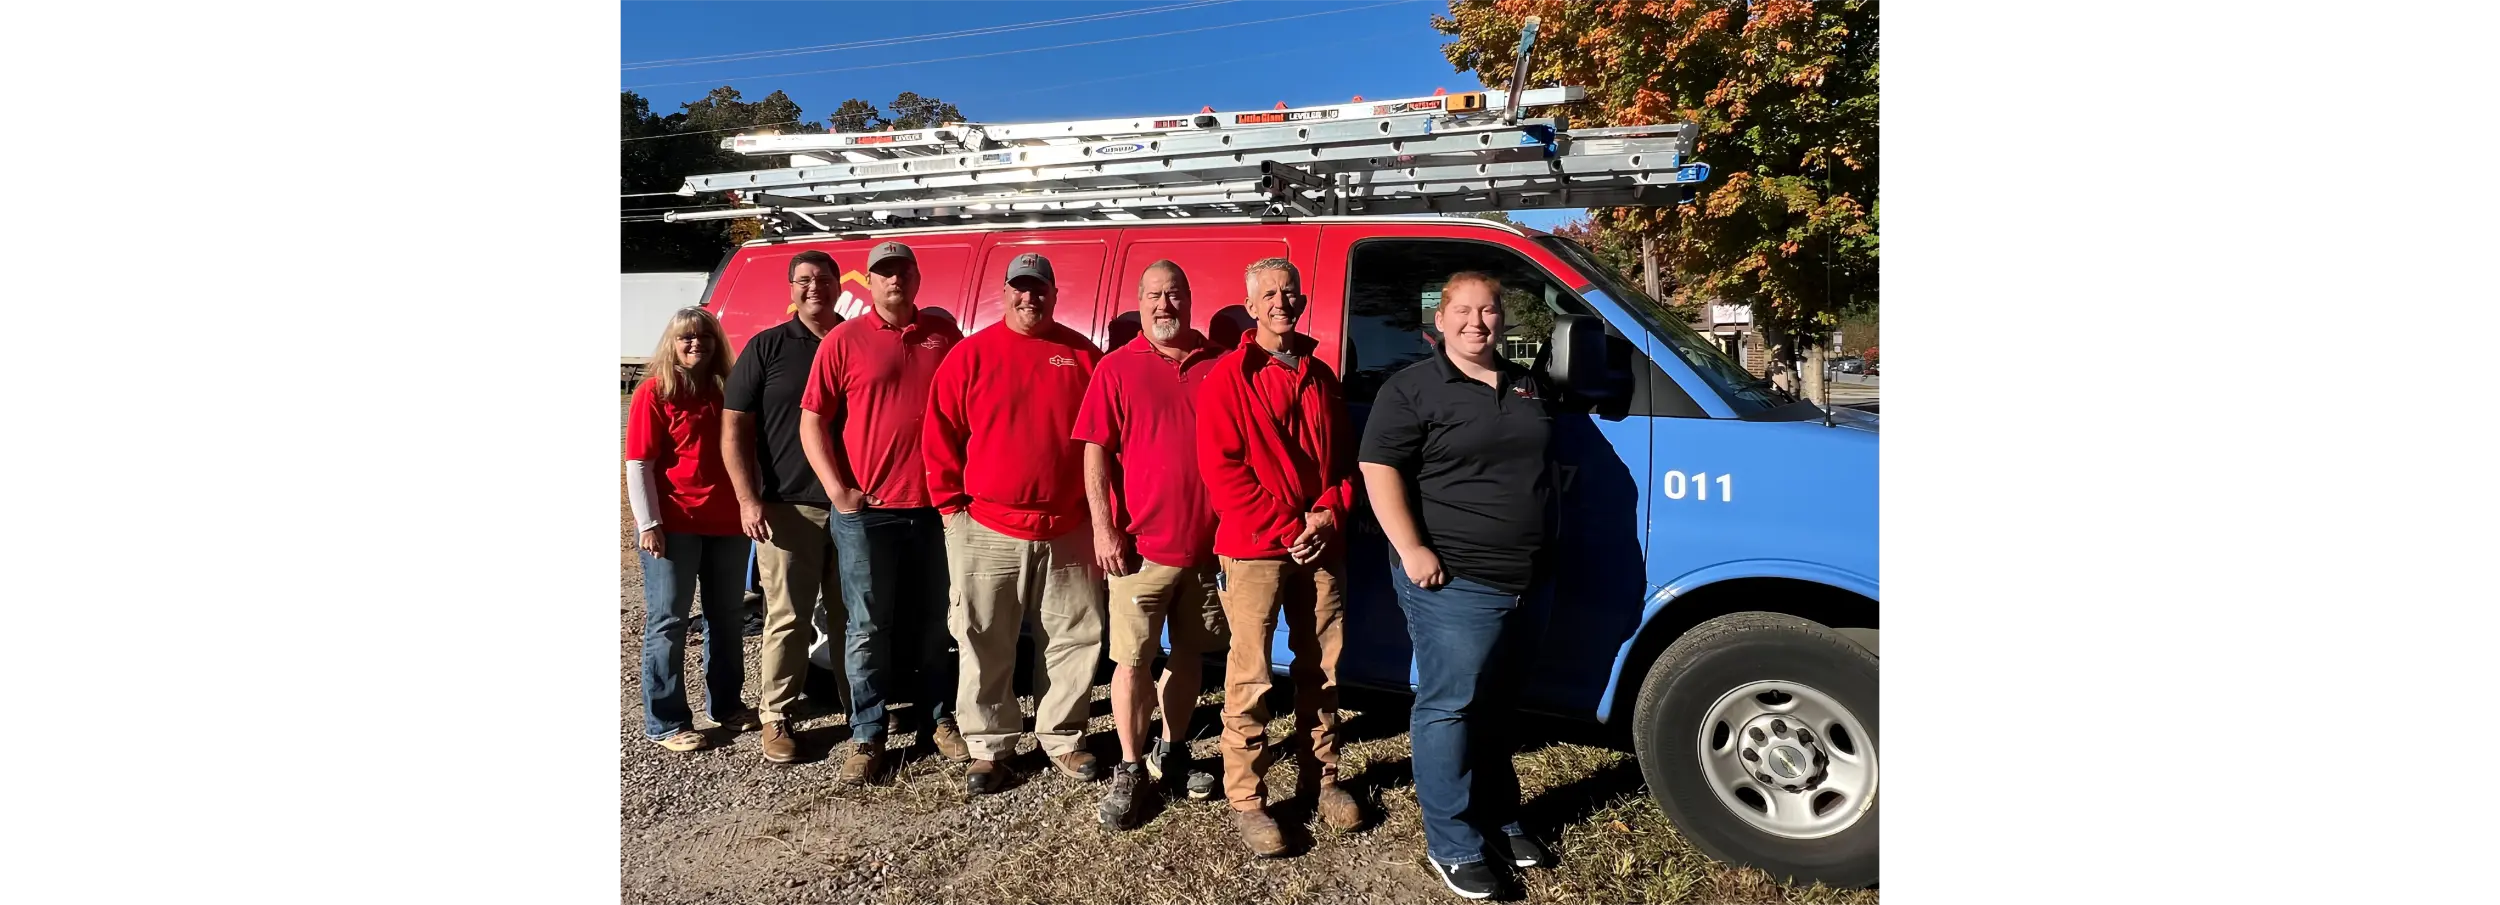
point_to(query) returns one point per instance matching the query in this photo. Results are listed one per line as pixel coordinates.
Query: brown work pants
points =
(1311, 599)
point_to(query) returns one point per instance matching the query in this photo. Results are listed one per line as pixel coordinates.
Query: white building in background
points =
(646, 301)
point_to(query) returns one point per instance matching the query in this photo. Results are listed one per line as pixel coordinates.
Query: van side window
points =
(1396, 283)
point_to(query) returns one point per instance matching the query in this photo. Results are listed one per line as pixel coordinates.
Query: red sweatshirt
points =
(996, 439)
(1272, 444)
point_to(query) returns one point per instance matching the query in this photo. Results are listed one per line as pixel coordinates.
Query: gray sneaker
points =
(1122, 808)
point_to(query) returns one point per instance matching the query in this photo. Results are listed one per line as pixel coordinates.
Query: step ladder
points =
(1442, 153)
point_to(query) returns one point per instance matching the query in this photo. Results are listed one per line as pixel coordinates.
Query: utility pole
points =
(1649, 267)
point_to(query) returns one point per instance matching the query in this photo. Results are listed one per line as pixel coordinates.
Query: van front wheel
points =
(1757, 733)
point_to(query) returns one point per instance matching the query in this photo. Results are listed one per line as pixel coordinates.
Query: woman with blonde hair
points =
(687, 517)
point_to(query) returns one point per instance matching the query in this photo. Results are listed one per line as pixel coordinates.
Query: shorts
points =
(1142, 600)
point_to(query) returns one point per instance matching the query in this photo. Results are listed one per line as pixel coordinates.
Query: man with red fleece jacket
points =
(1279, 467)
(1010, 483)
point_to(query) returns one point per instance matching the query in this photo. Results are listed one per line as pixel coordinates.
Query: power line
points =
(1139, 75)
(976, 56)
(914, 39)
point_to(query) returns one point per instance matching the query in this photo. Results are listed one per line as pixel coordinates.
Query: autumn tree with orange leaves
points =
(1785, 94)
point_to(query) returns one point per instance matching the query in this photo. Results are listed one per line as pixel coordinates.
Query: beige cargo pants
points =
(1000, 583)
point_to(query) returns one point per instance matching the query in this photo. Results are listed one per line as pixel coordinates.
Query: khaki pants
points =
(1142, 600)
(796, 565)
(1311, 599)
(999, 583)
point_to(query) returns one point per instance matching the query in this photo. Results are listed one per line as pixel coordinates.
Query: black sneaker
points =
(1123, 806)
(1525, 851)
(1474, 879)
(1169, 765)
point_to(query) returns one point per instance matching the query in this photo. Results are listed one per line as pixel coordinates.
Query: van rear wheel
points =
(1757, 734)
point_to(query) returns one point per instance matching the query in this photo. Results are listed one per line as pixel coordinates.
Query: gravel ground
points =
(723, 825)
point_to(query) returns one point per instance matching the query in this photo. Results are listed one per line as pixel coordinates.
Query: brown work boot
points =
(780, 746)
(866, 763)
(1338, 808)
(1079, 764)
(950, 742)
(1259, 832)
(987, 776)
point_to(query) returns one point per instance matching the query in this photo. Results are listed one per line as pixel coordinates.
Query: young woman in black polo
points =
(1454, 460)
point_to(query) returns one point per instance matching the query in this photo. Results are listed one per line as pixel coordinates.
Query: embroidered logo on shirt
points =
(1063, 361)
(933, 342)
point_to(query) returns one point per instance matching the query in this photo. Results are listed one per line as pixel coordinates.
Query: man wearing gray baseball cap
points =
(865, 400)
(1011, 483)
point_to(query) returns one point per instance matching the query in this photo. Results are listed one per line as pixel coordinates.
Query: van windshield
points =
(1744, 393)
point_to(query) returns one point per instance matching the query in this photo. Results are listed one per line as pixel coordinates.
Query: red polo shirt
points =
(1141, 407)
(1272, 445)
(996, 437)
(873, 379)
(680, 445)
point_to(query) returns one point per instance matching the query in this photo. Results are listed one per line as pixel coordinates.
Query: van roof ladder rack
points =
(1440, 153)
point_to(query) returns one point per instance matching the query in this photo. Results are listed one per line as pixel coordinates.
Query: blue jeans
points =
(1470, 645)
(894, 596)
(719, 565)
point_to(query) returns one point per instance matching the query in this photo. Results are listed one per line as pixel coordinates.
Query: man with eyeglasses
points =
(781, 505)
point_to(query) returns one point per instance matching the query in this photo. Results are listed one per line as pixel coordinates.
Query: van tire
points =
(1705, 667)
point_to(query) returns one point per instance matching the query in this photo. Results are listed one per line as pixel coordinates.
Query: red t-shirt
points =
(1141, 407)
(680, 445)
(1272, 445)
(996, 437)
(872, 378)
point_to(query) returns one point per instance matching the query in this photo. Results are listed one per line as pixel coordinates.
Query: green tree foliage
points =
(856, 115)
(1785, 93)
(911, 111)
(687, 143)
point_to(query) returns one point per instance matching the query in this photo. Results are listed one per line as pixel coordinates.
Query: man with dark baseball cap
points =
(1034, 266)
(1010, 480)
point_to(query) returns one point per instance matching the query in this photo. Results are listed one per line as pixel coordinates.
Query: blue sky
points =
(1334, 51)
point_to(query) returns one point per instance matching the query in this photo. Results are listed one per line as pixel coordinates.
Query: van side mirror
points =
(1575, 358)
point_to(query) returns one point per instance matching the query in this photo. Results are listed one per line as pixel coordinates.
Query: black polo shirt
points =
(767, 382)
(1475, 456)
